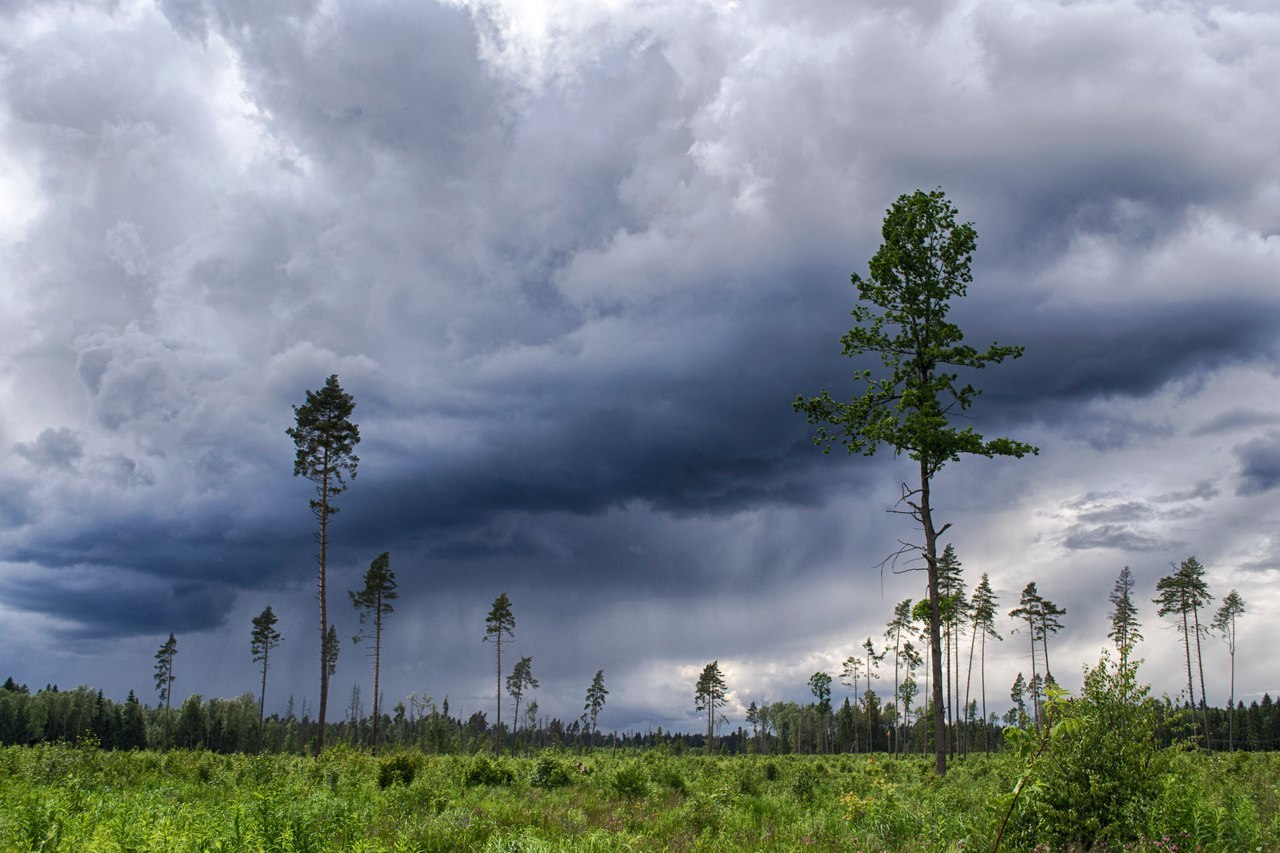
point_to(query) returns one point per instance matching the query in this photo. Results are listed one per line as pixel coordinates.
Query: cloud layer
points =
(574, 261)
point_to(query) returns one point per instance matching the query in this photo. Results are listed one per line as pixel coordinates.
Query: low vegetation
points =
(61, 797)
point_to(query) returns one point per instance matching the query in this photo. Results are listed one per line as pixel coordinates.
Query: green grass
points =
(67, 798)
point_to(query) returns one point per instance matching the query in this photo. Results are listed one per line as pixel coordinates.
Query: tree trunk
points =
(1186, 644)
(1204, 703)
(377, 652)
(262, 697)
(935, 638)
(324, 604)
(968, 681)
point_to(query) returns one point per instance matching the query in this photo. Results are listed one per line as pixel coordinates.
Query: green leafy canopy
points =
(902, 315)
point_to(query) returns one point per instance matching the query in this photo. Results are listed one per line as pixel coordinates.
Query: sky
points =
(574, 261)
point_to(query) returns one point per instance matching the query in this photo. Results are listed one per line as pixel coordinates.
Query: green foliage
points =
(1091, 776)
(64, 798)
(484, 770)
(631, 779)
(397, 769)
(901, 315)
(550, 772)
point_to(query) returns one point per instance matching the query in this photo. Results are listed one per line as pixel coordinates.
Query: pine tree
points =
(901, 622)
(983, 608)
(520, 680)
(498, 624)
(324, 440)
(951, 592)
(709, 695)
(375, 601)
(1224, 622)
(265, 637)
(595, 703)
(1028, 609)
(1182, 594)
(164, 681)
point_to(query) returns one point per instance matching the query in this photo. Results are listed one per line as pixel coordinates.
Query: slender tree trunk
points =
(951, 723)
(1044, 641)
(1186, 645)
(1204, 703)
(982, 676)
(324, 604)
(377, 660)
(959, 712)
(935, 638)
(1231, 719)
(262, 697)
(1035, 695)
(968, 679)
(897, 713)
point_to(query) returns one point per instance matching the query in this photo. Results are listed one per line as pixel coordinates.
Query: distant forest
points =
(85, 715)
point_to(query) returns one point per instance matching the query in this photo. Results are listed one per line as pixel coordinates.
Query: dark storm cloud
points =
(1080, 352)
(1259, 464)
(97, 601)
(574, 263)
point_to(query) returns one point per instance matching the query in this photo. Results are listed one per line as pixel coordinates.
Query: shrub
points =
(396, 769)
(630, 780)
(484, 770)
(549, 772)
(1094, 773)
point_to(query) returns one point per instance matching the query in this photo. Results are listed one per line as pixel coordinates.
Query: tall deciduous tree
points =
(500, 623)
(325, 439)
(1182, 594)
(374, 603)
(923, 264)
(519, 682)
(595, 703)
(710, 694)
(1224, 622)
(265, 637)
(164, 681)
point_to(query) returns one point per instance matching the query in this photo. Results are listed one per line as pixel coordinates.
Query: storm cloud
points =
(574, 262)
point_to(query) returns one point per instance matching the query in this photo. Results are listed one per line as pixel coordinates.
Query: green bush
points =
(1094, 774)
(396, 769)
(630, 780)
(550, 772)
(483, 770)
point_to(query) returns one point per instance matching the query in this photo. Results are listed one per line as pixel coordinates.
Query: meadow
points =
(68, 798)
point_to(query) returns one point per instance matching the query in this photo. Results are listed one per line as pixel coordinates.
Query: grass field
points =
(66, 798)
